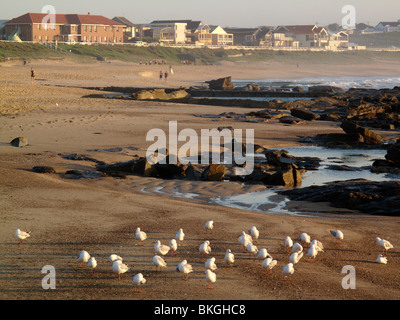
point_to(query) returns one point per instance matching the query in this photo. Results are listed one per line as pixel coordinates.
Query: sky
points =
(226, 13)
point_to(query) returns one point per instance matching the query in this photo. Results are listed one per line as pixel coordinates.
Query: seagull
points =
(140, 235)
(210, 264)
(161, 248)
(205, 248)
(173, 246)
(313, 251)
(92, 263)
(269, 264)
(338, 235)
(251, 248)
(180, 235)
(381, 259)
(295, 257)
(245, 239)
(287, 271)
(386, 245)
(209, 225)
(211, 277)
(119, 267)
(297, 247)
(304, 237)
(254, 233)
(22, 235)
(83, 257)
(229, 257)
(114, 257)
(288, 243)
(138, 280)
(262, 254)
(159, 262)
(319, 244)
(185, 268)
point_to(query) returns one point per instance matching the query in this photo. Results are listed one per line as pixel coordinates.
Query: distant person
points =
(33, 75)
(161, 75)
(170, 70)
(166, 75)
(24, 63)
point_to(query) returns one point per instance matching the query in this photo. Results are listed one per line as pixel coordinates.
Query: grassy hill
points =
(377, 40)
(128, 53)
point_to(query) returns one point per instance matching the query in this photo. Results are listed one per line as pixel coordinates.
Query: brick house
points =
(66, 28)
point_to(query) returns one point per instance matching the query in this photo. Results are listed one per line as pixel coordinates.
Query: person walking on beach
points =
(32, 75)
(161, 75)
(166, 75)
(170, 70)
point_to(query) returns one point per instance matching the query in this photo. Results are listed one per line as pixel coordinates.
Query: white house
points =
(169, 31)
(388, 26)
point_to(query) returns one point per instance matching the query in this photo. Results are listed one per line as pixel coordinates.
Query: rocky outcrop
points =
(304, 114)
(360, 134)
(376, 198)
(221, 84)
(160, 94)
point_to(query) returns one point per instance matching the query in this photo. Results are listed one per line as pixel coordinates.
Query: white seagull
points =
(245, 239)
(173, 246)
(83, 257)
(22, 235)
(159, 262)
(288, 242)
(229, 257)
(185, 268)
(304, 237)
(254, 233)
(295, 257)
(161, 249)
(269, 264)
(211, 277)
(92, 263)
(381, 259)
(297, 247)
(209, 225)
(288, 271)
(251, 248)
(119, 267)
(263, 254)
(210, 264)
(318, 243)
(180, 235)
(386, 245)
(205, 248)
(140, 235)
(338, 235)
(138, 280)
(313, 251)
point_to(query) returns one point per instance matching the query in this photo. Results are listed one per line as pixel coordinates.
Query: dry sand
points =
(101, 215)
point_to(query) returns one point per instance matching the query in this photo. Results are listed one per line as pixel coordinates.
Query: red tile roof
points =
(64, 19)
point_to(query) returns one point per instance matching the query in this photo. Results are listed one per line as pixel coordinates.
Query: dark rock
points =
(289, 177)
(125, 166)
(214, 172)
(221, 84)
(304, 114)
(393, 153)
(291, 120)
(323, 89)
(360, 134)
(193, 173)
(43, 169)
(19, 142)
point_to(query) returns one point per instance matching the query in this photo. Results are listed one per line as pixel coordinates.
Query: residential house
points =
(308, 36)
(129, 28)
(169, 31)
(220, 37)
(281, 40)
(66, 28)
(388, 26)
(337, 40)
(251, 36)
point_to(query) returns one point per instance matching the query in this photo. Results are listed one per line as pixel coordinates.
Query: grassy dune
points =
(88, 53)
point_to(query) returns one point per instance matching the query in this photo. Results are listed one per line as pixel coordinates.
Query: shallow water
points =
(270, 201)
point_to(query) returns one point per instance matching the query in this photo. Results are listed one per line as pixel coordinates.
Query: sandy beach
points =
(101, 215)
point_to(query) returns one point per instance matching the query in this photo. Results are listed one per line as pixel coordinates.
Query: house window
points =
(90, 28)
(95, 39)
(95, 28)
(39, 26)
(105, 28)
(85, 28)
(105, 39)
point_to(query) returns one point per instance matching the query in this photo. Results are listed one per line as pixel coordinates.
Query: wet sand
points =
(100, 215)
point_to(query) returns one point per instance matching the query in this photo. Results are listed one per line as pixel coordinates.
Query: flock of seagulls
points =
(246, 240)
